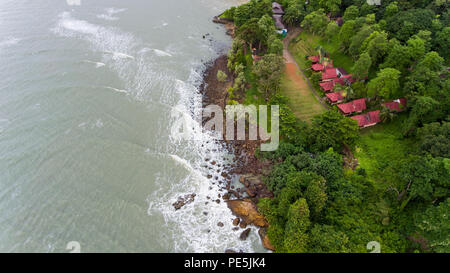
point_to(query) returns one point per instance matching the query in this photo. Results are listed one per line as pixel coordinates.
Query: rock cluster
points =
(184, 200)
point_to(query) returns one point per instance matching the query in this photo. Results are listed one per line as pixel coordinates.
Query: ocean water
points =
(87, 96)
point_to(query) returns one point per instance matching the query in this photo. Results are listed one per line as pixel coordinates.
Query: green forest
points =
(398, 192)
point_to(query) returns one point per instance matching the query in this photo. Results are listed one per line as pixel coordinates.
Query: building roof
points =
(327, 86)
(368, 119)
(396, 105)
(314, 59)
(317, 67)
(334, 97)
(330, 73)
(342, 71)
(277, 8)
(353, 106)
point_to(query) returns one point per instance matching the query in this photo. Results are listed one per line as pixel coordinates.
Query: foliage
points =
(332, 30)
(362, 66)
(269, 71)
(434, 139)
(386, 84)
(315, 22)
(434, 224)
(221, 76)
(332, 129)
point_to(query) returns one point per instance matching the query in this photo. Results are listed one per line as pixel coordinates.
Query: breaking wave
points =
(194, 227)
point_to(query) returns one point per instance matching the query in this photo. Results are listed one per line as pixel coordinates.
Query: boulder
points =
(265, 239)
(247, 211)
(183, 200)
(245, 234)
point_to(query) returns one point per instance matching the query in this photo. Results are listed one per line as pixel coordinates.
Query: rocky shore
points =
(242, 197)
(242, 201)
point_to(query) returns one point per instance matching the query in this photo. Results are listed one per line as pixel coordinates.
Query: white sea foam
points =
(109, 14)
(119, 55)
(162, 53)
(9, 41)
(97, 64)
(116, 89)
(188, 230)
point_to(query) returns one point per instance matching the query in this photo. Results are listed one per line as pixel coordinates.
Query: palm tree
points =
(386, 114)
(322, 52)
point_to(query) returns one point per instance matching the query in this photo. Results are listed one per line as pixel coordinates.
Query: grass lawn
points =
(305, 43)
(379, 146)
(301, 100)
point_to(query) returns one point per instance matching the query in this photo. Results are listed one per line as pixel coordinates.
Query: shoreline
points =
(241, 200)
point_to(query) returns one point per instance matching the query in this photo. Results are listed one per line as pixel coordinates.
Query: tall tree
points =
(345, 34)
(315, 22)
(296, 236)
(434, 225)
(362, 66)
(332, 129)
(351, 13)
(386, 84)
(269, 71)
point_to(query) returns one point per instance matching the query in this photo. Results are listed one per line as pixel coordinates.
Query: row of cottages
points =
(278, 12)
(372, 118)
(332, 76)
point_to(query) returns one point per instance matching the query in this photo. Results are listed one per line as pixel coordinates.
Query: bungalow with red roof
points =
(398, 105)
(356, 106)
(317, 67)
(329, 74)
(368, 119)
(327, 86)
(314, 59)
(334, 98)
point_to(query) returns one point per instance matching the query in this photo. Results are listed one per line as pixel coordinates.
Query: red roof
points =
(334, 97)
(327, 86)
(330, 73)
(395, 105)
(317, 67)
(368, 119)
(314, 59)
(349, 78)
(353, 106)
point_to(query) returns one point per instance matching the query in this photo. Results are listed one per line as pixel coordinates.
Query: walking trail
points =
(305, 102)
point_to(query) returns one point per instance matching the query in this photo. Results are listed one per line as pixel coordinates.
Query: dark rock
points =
(236, 221)
(245, 234)
(184, 200)
(220, 224)
(265, 239)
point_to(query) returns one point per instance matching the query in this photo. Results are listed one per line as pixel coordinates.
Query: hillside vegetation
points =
(336, 187)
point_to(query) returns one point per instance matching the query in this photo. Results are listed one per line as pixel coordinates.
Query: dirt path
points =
(305, 102)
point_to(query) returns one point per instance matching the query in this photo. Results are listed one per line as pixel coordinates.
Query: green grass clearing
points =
(302, 102)
(378, 147)
(304, 45)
